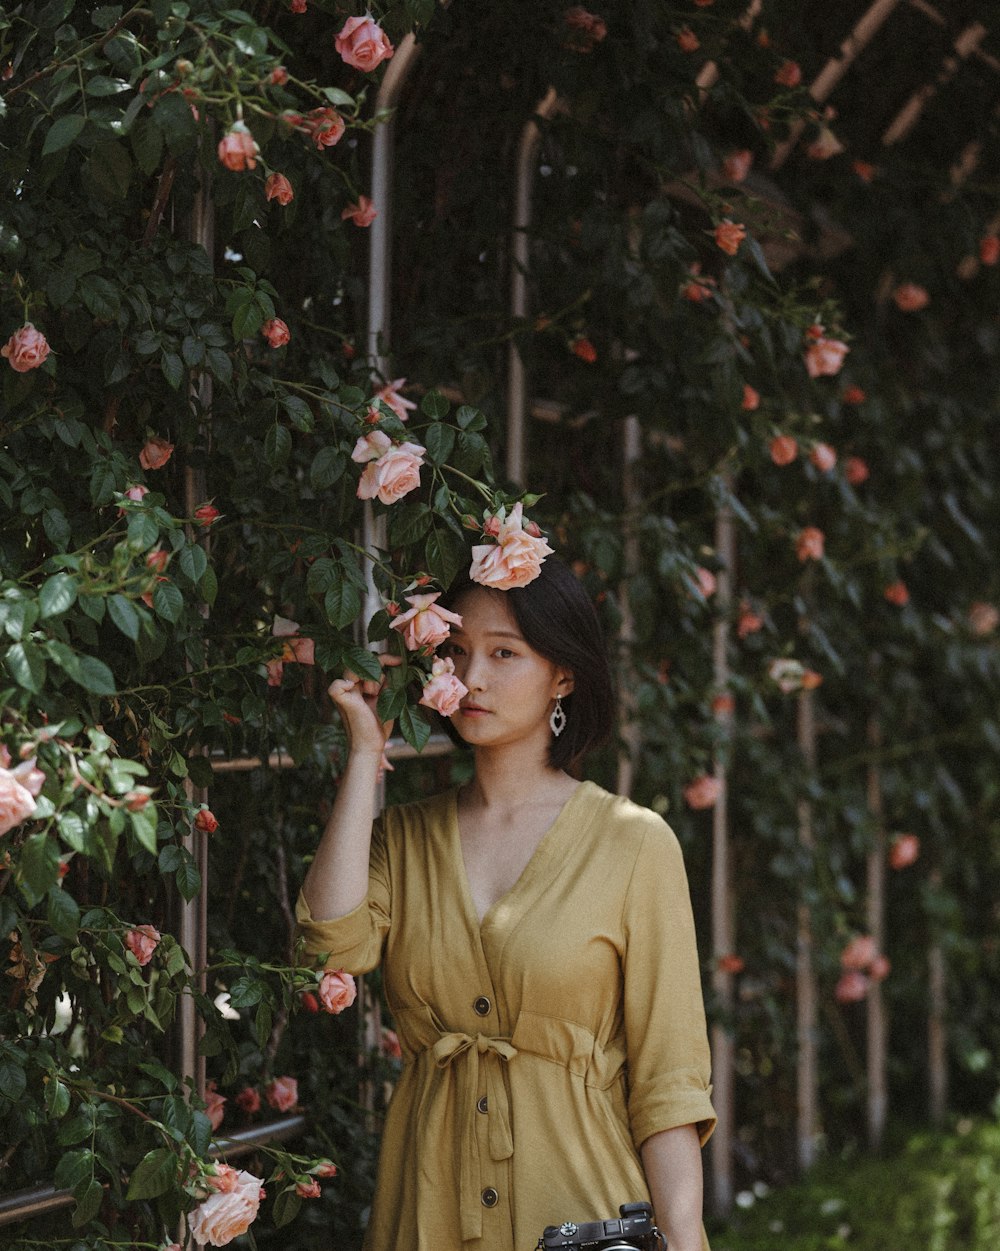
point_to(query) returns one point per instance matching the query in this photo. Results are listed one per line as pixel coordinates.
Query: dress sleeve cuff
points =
(678, 1103)
(340, 939)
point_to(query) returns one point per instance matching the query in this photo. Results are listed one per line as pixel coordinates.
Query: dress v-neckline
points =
(530, 870)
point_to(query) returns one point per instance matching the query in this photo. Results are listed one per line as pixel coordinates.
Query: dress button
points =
(482, 1105)
(482, 1006)
(490, 1197)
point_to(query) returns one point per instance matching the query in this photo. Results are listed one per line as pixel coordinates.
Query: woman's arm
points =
(337, 881)
(672, 1162)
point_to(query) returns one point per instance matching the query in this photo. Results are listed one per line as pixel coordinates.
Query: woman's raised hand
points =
(356, 699)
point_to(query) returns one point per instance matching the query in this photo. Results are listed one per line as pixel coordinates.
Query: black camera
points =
(632, 1230)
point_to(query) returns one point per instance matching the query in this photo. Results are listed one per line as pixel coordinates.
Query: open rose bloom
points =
(425, 625)
(142, 942)
(443, 691)
(228, 1213)
(337, 990)
(26, 348)
(17, 800)
(516, 557)
(282, 1093)
(391, 470)
(363, 44)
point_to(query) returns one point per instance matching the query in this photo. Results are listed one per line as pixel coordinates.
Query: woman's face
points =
(511, 686)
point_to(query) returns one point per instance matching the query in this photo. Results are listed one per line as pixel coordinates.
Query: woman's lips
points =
(473, 710)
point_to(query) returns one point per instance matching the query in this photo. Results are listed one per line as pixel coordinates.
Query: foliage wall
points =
(179, 495)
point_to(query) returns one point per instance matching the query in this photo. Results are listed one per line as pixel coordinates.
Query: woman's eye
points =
(504, 653)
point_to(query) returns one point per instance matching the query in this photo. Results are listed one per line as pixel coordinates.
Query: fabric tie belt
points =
(468, 1054)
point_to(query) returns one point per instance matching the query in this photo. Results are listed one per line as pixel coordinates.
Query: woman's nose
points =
(472, 673)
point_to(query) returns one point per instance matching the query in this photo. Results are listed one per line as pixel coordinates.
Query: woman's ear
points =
(564, 682)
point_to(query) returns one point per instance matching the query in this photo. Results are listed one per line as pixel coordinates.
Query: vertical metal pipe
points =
(628, 721)
(807, 1069)
(373, 529)
(517, 396)
(723, 941)
(877, 1034)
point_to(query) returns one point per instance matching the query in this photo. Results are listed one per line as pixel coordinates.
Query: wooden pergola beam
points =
(908, 116)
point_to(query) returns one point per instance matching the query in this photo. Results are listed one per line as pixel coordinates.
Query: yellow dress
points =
(541, 1048)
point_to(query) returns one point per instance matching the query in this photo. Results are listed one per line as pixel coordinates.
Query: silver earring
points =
(558, 718)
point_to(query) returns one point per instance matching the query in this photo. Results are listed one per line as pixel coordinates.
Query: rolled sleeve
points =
(354, 941)
(669, 1065)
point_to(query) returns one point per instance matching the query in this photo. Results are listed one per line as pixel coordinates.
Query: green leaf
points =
(408, 523)
(63, 132)
(12, 1080)
(123, 614)
(144, 827)
(444, 553)
(95, 676)
(247, 317)
(168, 602)
(434, 405)
(39, 865)
(286, 1207)
(299, 412)
(277, 445)
(342, 604)
(391, 702)
(100, 296)
(193, 562)
(101, 85)
(56, 527)
(147, 144)
(470, 418)
(173, 369)
(56, 1099)
(142, 531)
(74, 1167)
(323, 574)
(58, 595)
(413, 727)
(327, 467)
(363, 662)
(245, 992)
(60, 286)
(26, 665)
(155, 1173)
(338, 97)
(89, 1202)
(188, 879)
(208, 585)
(63, 912)
(439, 441)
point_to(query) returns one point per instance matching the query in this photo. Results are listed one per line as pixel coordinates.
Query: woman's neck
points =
(514, 775)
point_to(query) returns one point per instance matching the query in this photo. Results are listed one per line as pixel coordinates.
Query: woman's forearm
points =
(337, 881)
(672, 1163)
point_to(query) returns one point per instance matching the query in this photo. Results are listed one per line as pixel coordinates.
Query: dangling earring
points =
(558, 718)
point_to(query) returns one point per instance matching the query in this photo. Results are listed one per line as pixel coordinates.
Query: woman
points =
(538, 948)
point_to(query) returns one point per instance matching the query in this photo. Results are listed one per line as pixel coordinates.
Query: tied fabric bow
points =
(467, 1053)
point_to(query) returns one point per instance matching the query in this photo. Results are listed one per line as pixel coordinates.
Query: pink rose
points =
(327, 1168)
(26, 348)
(136, 492)
(856, 470)
(142, 942)
(390, 1045)
(326, 127)
(363, 44)
(825, 357)
(282, 1093)
(707, 582)
(30, 777)
(751, 399)
(703, 792)
(789, 74)
(277, 187)
(810, 544)
(783, 449)
(389, 395)
(224, 1179)
(215, 1108)
(904, 851)
(425, 625)
(514, 560)
(155, 453)
(729, 235)
(205, 821)
(248, 1100)
(395, 471)
(238, 149)
(687, 40)
(989, 249)
(879, 969)
(736, 165)
(362, 214)
(337, 991)
(897, 593)
(748, 622)
(983, 618)
(298, 6)
(586, 29)
(443, 691)
(852, 987)
(223, 1217)
(823, 457)
(859, 952)
(16, 802)
(824, 146)
(275, 332)
(308, 1189)
(910, 297)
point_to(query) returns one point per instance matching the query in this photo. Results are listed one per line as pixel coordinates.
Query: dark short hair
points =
(556, 617)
